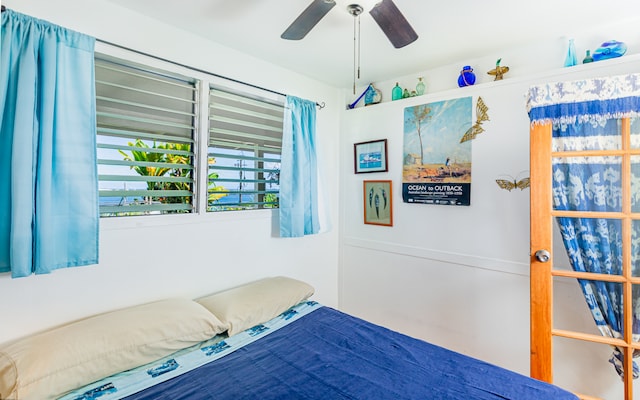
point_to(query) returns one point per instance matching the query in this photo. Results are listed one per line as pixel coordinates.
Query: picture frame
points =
(370, 156)
(378, 202)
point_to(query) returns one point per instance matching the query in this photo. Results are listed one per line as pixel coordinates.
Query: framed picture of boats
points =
(370, 156)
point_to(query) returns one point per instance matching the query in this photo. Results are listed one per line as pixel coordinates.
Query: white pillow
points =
(48, 364)
(257, 302)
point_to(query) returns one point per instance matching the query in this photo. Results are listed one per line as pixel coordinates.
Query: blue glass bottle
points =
(571, 58)
(467, 77)
(368, 97)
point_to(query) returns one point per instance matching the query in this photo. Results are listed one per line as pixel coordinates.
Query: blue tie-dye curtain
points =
(298, 172)
(595, 244)
(585, 116)
(48, 171)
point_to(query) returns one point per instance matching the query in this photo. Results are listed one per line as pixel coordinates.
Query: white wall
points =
(525, 61)
(459, 276)
(148, 258)
(456, 276)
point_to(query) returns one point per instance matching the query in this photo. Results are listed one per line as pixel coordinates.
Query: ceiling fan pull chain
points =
(355, 10)
(354, 54)
(359, 41)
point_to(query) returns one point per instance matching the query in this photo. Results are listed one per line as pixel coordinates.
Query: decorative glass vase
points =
(396, 92)
(405, 93)
(609, 49)
(571, 58)
(372, 96)
(420, 87)
(368, 97)
(467, 77)
(587, 58)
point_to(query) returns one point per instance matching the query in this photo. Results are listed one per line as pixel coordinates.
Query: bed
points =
(271, 341)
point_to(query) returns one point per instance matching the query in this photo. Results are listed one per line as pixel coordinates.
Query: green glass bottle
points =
(420, 87)
(406, 94)
(396, 92)
(587, 58)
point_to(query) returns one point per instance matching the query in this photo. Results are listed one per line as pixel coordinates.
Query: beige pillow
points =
(50, 363)
(257, 302)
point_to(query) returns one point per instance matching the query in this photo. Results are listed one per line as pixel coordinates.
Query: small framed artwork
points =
(378, 203)
(370, 156)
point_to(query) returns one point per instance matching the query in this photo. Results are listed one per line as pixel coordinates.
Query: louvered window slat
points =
(245, 143)
(146, 136)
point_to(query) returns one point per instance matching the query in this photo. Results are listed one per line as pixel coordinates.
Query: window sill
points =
(126, 223)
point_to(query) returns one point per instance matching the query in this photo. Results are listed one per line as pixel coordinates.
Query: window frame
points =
(205, 80)
(137, 113)
(258, 150)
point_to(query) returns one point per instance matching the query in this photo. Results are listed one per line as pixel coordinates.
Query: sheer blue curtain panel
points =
(48, 173)
(298, 173)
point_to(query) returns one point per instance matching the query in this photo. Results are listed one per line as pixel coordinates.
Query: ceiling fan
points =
(385, 13)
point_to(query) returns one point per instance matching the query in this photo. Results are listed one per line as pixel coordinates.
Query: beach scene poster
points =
(436, 166)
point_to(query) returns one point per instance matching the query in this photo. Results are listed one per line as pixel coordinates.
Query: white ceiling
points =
(449, 31)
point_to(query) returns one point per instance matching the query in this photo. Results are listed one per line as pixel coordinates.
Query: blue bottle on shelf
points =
(571, 59)
(368, 97)
(467, 77)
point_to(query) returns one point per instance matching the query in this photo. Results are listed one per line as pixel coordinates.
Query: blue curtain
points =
(298, 170)
(595, 244)
(48, 170)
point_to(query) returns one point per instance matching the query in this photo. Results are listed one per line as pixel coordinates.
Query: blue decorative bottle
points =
(571, 59)
(609, 49)
(467, 77)
(372, 96)
(369, 94)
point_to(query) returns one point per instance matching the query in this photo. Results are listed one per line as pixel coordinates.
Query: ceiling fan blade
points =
(393, 23)
(308, 19)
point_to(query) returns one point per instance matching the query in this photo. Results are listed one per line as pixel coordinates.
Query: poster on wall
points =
(436, 165)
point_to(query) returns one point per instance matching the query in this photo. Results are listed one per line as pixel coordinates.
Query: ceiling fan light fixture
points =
(368, 5)
(355, 9)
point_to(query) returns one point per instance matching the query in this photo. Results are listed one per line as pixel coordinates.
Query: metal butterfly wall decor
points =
(481, 116)
(510, 184)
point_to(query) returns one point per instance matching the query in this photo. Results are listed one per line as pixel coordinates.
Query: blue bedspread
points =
(331, 355)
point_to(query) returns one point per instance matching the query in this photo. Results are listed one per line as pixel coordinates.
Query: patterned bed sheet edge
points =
(129, 382)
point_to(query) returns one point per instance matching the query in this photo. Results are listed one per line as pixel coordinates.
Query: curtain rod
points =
(319, 105)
